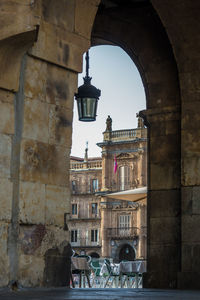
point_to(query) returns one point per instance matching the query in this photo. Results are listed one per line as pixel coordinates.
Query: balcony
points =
(83, 242)
(86, 165)
(83, 189)
(125, 134)
(122, 233)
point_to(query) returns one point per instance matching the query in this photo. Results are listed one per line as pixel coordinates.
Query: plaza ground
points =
(97, 294)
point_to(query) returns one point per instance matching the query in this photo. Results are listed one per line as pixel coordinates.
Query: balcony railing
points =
(88, 165)
(126, 134)
(122, 232)
(85, 188)
(83, 242)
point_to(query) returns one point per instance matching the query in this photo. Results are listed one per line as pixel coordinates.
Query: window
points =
(94, 235)
(73, 186)
(124, 177)
(74, 209)
(124, 225)
(94, 208)
(74, 236)
(124, 221)
(95, 185)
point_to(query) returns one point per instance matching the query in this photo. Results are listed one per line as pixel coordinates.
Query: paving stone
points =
(97, 294)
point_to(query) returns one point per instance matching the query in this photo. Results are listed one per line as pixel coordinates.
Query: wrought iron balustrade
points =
(84, 242)
(125, 134)
(85, 188)
(122, 232)
(84, 165)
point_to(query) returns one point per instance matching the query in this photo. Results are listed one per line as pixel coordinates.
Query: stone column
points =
(190, 175)
(105, 170)
(163, 202)
(41, 49)
(184, 38)
(105, 223)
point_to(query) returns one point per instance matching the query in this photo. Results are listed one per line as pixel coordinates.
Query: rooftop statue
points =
(108, 124)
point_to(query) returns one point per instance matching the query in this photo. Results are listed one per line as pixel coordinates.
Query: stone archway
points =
(41, 47)
(138, 30)
(94, 255)
(126, 252)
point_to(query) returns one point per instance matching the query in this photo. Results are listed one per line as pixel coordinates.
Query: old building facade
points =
(124, 167)
(100, 225)
(41, 48)
(85, 218)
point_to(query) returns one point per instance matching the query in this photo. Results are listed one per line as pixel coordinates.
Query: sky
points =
(122, 96)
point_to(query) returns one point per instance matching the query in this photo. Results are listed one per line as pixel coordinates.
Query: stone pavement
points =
(97, 294)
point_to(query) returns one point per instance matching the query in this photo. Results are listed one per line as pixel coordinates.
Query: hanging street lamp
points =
(87, 97)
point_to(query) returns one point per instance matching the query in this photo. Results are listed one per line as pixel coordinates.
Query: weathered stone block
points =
(54, 237)
(165, 176)
(164, 203)
(31, 270)
(60, 47)
(35, 79)
(190, 226)
(61, 84)
(164, 148)
(4, 260)
(31, 238)
(6, 192)
(36, 120)
(6, 118)
(32, 203)
(57, 204)
(186, 264)
(5, 155)
(190, 118)
(171, 127)
(196, 200)
(59, 13)
(85, 10)
(165, 230)
(190, 82)
(6, 97)
(190, 143)
(190, 200)
(12, 51)
(190, 169)
(160, 280)
(16, 17)
(190, 257)
(60, 126)
(164, 257)
(188, 280)
(186, 200)
(44, 163)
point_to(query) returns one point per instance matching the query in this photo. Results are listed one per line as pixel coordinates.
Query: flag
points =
(115, 164)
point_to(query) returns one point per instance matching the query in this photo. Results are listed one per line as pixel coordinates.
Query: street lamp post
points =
(87, 97)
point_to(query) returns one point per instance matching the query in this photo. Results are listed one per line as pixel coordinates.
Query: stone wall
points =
(41, 48)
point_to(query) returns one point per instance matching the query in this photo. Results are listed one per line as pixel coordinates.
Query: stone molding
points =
(167, 113)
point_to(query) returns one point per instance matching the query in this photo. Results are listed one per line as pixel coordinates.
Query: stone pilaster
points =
(41, 48)
(163, 203)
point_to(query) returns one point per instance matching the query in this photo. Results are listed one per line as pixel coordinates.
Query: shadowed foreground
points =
(96, 294)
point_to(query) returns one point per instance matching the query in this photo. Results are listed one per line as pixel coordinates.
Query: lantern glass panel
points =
(87, 108)
(79, 108)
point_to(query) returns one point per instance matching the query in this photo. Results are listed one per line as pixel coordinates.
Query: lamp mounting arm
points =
(87, 78)
(87, 63)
